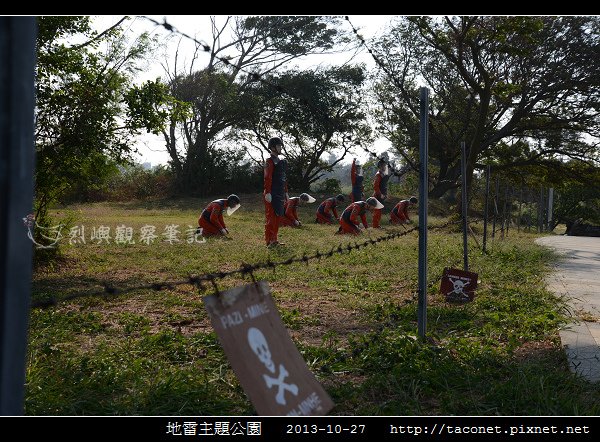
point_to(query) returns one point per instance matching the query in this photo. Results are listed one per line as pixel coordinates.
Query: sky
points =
(150, 146)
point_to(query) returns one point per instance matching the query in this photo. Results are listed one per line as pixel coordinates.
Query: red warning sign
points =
(458, 285)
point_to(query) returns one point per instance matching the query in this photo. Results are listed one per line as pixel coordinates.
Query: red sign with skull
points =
(458, 285)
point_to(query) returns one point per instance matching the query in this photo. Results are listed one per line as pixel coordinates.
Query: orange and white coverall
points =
(399, 214)
(211, 219)
(349, 221)
(291, 215)
(379, 192)
(323, 211)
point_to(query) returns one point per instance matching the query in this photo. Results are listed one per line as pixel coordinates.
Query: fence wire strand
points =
(245, 270)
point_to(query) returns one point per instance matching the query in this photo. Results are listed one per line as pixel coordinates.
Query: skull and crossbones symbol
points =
(459, 286)
(259, 346)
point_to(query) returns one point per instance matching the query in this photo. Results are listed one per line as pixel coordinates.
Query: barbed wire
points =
(251, 75)
(382, 66)
(409, 164)
(255, 76)
(169, 27)
(199, 281)
(245, 269)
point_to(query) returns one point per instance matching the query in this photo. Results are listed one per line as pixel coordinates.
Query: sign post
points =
(463, 192)
(423, 202)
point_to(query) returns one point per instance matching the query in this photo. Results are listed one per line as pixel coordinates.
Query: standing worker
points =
(324, 215)
(290, 218)
(380, 190)
(275, 191)
(357, 182)
(399, 214)
(349, 221)
(211, 220)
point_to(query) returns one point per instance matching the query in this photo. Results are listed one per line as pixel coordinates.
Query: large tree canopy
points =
(529, 83)
(217, 90)
(315, 113)
(82, 120)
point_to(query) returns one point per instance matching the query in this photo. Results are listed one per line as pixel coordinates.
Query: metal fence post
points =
(485, 209)
(17, 91)
(463, 168)
(423, 202)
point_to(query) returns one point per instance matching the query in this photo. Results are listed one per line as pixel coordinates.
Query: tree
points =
(81, 118)
(320, 113)
(577, 194)
(495, 79)
(217, 92)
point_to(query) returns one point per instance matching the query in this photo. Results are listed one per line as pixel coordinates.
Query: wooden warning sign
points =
(262, 354)
(458, 285)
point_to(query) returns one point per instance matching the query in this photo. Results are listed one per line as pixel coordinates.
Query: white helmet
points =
(307, 198)
(233, 203)
(374, 202)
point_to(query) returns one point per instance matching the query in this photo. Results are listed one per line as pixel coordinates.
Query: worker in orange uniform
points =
(349, 221)
(290, 218)
(399, 214)
(275, 191)
(211, 220)
(357, 178)
(327, 207)
(380, 189)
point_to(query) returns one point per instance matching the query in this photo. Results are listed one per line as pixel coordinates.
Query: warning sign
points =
(262, 354)
(458, 285)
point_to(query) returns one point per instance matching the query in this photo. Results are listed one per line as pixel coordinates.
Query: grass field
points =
(352, 316)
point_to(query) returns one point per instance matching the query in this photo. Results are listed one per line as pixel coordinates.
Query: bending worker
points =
(399, 214)
(349, 221)
(275, 191)
(211, 219)
(290, 218)
(357, 182)
(327, 207)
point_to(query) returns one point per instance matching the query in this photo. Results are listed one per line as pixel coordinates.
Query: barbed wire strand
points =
(256, 76)
(392, 77)
(245, 269)
(384, 68)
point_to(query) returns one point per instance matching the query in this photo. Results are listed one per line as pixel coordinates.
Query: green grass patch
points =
(353, 317)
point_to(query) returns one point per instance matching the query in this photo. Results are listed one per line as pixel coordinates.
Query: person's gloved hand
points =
(268, 197)
(296, 223)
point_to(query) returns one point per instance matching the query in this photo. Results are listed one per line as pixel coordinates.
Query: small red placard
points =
(458, 285)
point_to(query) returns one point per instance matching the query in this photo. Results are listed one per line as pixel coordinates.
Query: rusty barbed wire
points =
(245, 269)
(256, 76)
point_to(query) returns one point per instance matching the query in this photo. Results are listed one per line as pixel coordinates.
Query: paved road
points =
(577, 276)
